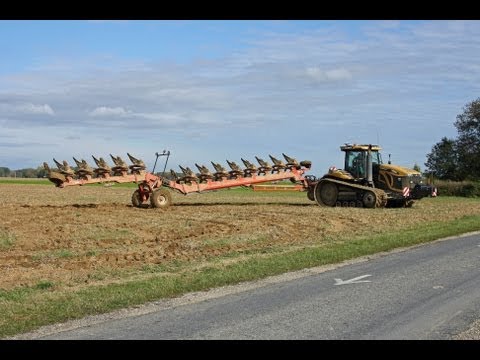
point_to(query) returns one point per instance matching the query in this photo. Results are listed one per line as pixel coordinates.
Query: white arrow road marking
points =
(356, 280)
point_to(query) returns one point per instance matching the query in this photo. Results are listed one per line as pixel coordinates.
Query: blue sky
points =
(227, 89)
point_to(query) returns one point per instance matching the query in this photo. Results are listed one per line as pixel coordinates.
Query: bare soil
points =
(79, 236)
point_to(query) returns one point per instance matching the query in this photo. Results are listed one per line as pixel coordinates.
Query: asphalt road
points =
(426, 292)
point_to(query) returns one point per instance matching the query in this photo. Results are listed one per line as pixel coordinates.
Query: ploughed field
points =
(90, 235)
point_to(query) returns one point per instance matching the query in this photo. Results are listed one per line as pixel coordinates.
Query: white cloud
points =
(108, 111)
(36, 109)
(26, 108)
(338, 74)
(316, 73)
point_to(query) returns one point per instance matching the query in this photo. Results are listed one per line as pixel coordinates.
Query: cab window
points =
(356, 163)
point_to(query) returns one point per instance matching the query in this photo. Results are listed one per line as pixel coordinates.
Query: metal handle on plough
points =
(165, 153)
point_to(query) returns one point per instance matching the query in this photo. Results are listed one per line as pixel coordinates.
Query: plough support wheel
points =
(137, 200)
(161, 198)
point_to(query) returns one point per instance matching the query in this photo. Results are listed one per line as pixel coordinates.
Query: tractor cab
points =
(356, 160)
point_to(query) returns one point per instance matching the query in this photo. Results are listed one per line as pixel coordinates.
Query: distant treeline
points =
(469, 189)
(458, 159)
(39, 172)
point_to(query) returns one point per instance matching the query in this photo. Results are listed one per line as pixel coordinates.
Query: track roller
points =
(369, 199)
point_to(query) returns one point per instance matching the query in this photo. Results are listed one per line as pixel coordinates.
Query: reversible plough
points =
(156, 188)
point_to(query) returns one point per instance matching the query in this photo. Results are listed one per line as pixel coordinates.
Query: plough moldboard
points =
(155, 188)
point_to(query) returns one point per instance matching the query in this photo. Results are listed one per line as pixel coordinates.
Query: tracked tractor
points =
(365, 181)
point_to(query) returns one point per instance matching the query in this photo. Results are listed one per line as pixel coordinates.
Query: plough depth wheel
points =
(137, 200)
(161, 198)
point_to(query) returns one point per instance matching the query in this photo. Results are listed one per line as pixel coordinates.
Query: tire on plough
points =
(137, 200)
(160, 198)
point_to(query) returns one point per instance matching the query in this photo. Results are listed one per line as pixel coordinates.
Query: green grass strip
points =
(47, 182)
(24, 309)
(26, 181)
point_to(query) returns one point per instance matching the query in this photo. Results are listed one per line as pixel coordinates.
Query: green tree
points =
(26, 173)
(468, 142)
(442, 161)
(41, 172)
(4, 171)
(416, 167)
